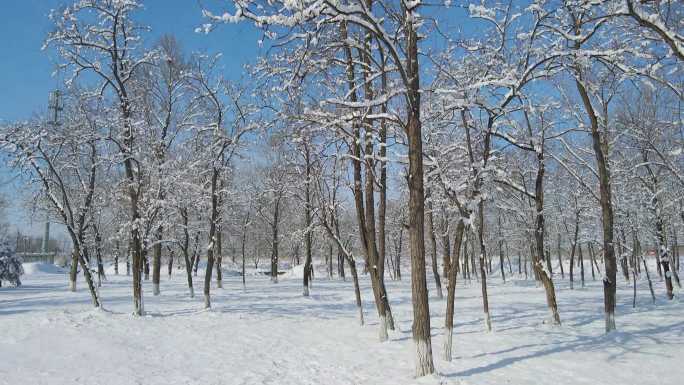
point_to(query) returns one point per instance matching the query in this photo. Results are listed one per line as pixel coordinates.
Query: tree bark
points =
(451, 291)
(340, 264)
(170, 265)
(94, 295)
(186, 250)
(213, 220)
(156, 260)
(433, 249)
(397, 262)
(98, 256)
(73, 272)
(242, 246)
(483, 274)
(274, 242)
(446, 247)
(600, 145)
(592, 261)
(363, 219)
(501, 252)
(419, 295)
(219, 259)
(307, 222)
(146, 261)
(128, 260)
(544, 275)
(581, 263)
(560, 258)
(663, 258)
(648, 277)
(572, 251)
(116, 257)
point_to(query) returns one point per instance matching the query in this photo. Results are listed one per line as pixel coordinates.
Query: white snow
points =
(296, 272)
(270, 334)
(42, 267)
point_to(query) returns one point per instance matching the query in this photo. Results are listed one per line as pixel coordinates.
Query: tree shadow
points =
(625, 342)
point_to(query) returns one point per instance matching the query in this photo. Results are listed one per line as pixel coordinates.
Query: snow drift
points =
(42, 268)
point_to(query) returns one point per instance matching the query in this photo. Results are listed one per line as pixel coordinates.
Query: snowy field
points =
(270, 334)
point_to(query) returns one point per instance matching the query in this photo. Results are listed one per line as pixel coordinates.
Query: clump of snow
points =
(295, 272)
(109, 270)
(42, 268)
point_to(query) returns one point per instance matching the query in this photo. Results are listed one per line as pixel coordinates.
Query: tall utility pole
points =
(54, 107)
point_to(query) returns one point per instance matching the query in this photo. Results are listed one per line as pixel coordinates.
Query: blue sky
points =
(26, 71)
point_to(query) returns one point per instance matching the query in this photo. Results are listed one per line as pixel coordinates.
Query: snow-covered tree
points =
(11, 269)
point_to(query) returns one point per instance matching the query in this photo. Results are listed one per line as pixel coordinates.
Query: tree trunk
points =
(623, 255)
(133, 196)
(466, 257)
(213, 220)
(508, 259)
(307, 222)
(634, 289)
(156, 261)
(274, 242)
(186, 251)
(98, 256)
(357, 290)
(560, 258)
(219, 259)
(451, 291)
(483, 275)
(675, 249)
(382, 205)
(397, 262)
(116, 258)
(581, 263)
(446, 248)
(196, 254)
(330, 261)
(73, 271)
(363, 219)
(94, 295)
(170, 266)
(501, 253)
(544, 275)
(574, 247)
(592, 261)
(340, 263)
(146, 262)
(433, 249)
(662, 255)
(525, 267)
(674, 257)
(600, 145)
(473, 262)
(648, 277)
(244, 239)
(419, 294)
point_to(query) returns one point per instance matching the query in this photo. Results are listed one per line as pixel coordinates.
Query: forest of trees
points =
(378, 135)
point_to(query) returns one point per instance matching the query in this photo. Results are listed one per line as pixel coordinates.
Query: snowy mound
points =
(295, 272)
(109, 270)
(42, 268)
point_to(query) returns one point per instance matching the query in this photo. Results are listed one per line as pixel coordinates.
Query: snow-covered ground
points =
(270, 334)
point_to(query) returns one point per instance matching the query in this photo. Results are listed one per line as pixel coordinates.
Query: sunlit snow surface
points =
(270, 334)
